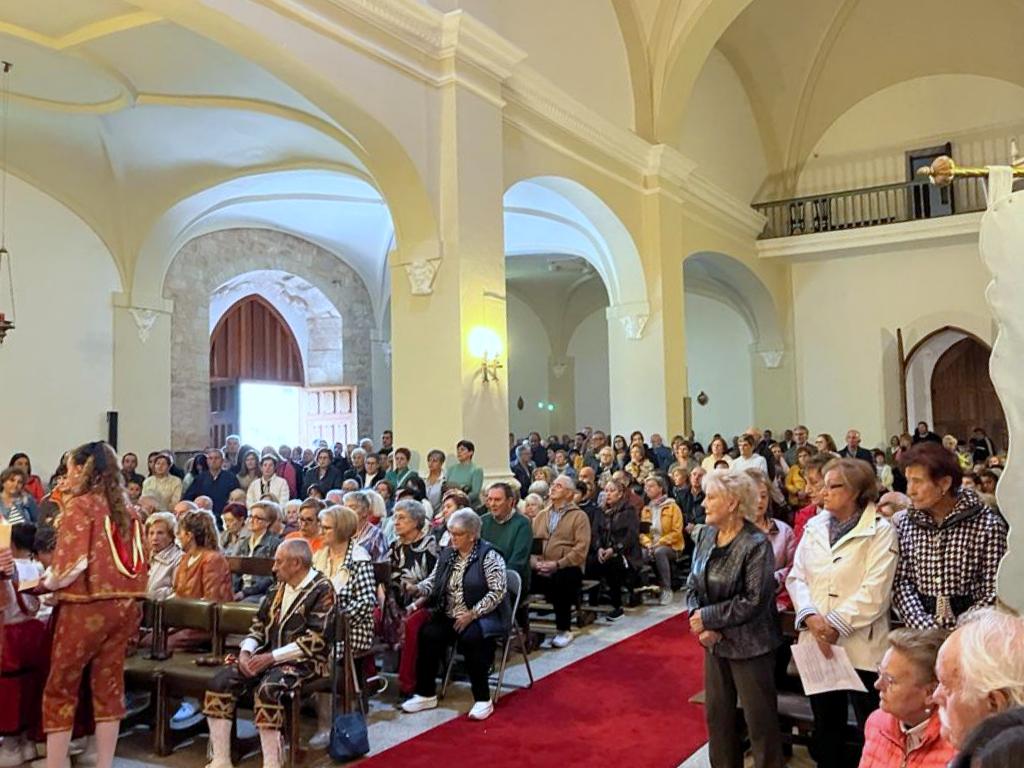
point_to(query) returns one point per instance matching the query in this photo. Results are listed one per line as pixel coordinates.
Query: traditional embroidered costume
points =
(97, 576)
(294, 624)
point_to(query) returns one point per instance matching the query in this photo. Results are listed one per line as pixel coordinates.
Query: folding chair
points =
(515, 587)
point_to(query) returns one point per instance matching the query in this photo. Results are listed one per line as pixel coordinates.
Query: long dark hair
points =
(28, 461)
(101, 475)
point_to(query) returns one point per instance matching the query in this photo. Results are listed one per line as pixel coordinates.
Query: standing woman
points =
(435, 478)
(162, 484)
(779, 534)
(268, 484)
(841, 587)
(732, 613)
(98, 573)
(250, 470)
(718, 452)
(33, 485)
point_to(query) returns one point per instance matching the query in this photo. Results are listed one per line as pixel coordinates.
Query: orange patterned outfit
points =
(97, 576)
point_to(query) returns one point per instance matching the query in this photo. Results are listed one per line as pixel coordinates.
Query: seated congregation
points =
(277, 579)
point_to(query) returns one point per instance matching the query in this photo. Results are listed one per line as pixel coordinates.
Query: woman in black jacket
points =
(617, 557)
(325, 475)
(732, 613)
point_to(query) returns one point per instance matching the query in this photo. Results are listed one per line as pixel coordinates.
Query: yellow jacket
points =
(671, 526)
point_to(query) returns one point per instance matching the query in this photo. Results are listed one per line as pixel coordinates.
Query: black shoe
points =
(615, 615)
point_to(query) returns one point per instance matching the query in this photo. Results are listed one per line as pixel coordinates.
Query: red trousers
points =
(410, 646)
(95, 636)
(23, 668)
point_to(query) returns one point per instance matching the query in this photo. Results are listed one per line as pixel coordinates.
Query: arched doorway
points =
(258, 382)
(575, 279)
(963, 396)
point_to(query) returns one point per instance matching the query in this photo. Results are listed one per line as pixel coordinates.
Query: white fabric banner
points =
(1002, 249)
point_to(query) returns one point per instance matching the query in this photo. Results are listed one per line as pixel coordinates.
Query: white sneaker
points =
(10, 751)
(666, 597)
(481, 710)
(320, 740)
(545, 644)
(419, 703)
(562, 639)
(28, 750)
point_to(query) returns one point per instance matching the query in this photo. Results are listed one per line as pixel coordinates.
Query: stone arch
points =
(213, 260)
(729, 280)
(314, 320)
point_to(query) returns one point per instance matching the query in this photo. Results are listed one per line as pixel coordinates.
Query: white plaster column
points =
(142, 374)
(442, 291)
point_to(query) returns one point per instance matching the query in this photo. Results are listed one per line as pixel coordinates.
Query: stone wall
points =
(209, 261)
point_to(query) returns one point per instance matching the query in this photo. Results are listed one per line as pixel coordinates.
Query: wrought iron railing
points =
(870, 207)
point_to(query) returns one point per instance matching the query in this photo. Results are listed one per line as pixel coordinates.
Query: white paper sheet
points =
(819, 674)
(29, 574)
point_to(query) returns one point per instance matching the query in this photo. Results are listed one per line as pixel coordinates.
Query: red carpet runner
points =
(625, 705)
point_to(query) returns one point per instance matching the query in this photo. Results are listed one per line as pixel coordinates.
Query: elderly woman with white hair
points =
(732, 613)
(368, 536)
(467, 596)
(164, 554)
(413, 555)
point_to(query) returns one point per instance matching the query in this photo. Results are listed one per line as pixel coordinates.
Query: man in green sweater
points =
(465, 474)
(507, 531)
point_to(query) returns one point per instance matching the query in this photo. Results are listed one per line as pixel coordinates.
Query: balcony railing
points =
(870, 207)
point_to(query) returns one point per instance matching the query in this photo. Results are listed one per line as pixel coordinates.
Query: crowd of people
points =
(849, 543)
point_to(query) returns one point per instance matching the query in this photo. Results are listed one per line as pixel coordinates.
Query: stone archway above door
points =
(210, 261)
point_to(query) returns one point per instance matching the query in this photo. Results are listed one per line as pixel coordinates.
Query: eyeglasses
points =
(307, 520)
(884, 678)
(258, 517)
(835, 486)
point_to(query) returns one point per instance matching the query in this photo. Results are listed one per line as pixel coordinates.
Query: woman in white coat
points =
(841, 586)
(268, 484)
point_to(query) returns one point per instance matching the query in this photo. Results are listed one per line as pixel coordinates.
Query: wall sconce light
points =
(486, 344)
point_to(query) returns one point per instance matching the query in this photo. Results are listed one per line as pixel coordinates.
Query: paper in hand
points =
(820, 675)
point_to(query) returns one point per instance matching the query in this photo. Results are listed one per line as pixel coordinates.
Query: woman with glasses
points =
(905, 729)
(262, 542)
(309, 524)
(841, 587)
(348, 567)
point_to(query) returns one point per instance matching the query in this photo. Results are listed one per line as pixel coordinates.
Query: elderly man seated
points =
(980, 669)
(558, 570)
(287, 646)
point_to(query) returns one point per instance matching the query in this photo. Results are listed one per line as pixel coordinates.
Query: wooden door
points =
(253, 342)
(963, 396)
(223, 410)
(331, 415)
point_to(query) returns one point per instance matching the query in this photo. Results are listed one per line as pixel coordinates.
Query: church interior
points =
(503, 227)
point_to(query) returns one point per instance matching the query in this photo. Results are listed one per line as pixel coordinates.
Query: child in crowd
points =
(25, 661)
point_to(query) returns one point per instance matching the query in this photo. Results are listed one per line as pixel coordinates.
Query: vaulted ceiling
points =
(151, 132)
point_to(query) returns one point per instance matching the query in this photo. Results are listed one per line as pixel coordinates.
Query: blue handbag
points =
(349, 737)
